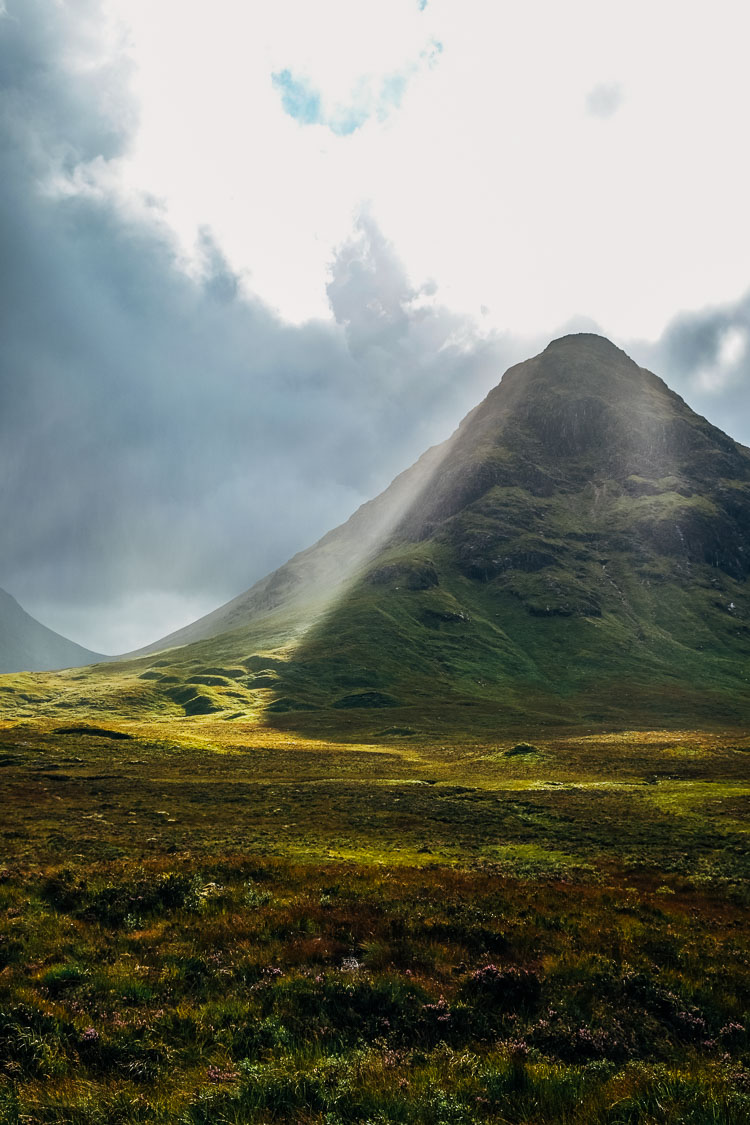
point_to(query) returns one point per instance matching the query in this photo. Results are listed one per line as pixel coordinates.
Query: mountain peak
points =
(590, 350)
(580, 363)
(576, 365)
(580, 412)
(584, 339)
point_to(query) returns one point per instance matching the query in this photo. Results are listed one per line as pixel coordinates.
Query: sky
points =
(256, 258)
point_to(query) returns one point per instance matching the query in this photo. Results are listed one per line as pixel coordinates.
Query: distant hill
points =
(28, 646)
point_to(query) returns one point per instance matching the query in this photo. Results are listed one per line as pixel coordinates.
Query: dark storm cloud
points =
(158, 433)
(705, 356)
(693, 341)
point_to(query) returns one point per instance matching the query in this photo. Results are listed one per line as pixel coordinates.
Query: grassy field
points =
(213, 922)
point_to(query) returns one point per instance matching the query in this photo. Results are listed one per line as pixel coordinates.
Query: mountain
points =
(578, 551)
(26, 645)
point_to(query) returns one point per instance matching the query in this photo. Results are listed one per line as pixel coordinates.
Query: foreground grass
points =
(201, 926)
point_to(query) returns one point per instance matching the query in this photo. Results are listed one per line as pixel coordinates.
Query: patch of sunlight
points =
(685, 798)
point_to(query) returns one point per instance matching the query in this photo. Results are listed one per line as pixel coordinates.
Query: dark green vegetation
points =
(201, 928)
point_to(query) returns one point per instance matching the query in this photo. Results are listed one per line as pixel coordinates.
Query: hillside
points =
(27, 645)
(304, 585)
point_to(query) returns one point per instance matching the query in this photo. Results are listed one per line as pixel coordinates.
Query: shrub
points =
(510, 989)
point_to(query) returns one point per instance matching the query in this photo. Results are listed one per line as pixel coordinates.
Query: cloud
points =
(165, 439)
(490, 176)
(604, 99)
(727, 364)
(704, 355)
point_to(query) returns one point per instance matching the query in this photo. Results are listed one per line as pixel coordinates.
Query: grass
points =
(225, 922)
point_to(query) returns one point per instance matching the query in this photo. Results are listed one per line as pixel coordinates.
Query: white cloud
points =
(490, 176)
(604, 99)
(717, 375)
(733, 346)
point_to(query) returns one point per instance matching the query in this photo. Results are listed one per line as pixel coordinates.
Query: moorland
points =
(205, 921)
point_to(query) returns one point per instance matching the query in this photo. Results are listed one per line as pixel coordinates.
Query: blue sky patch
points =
(371, 97)
(299, 99)
(302, 101)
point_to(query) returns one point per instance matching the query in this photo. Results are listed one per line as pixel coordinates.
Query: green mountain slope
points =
(581, 552)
